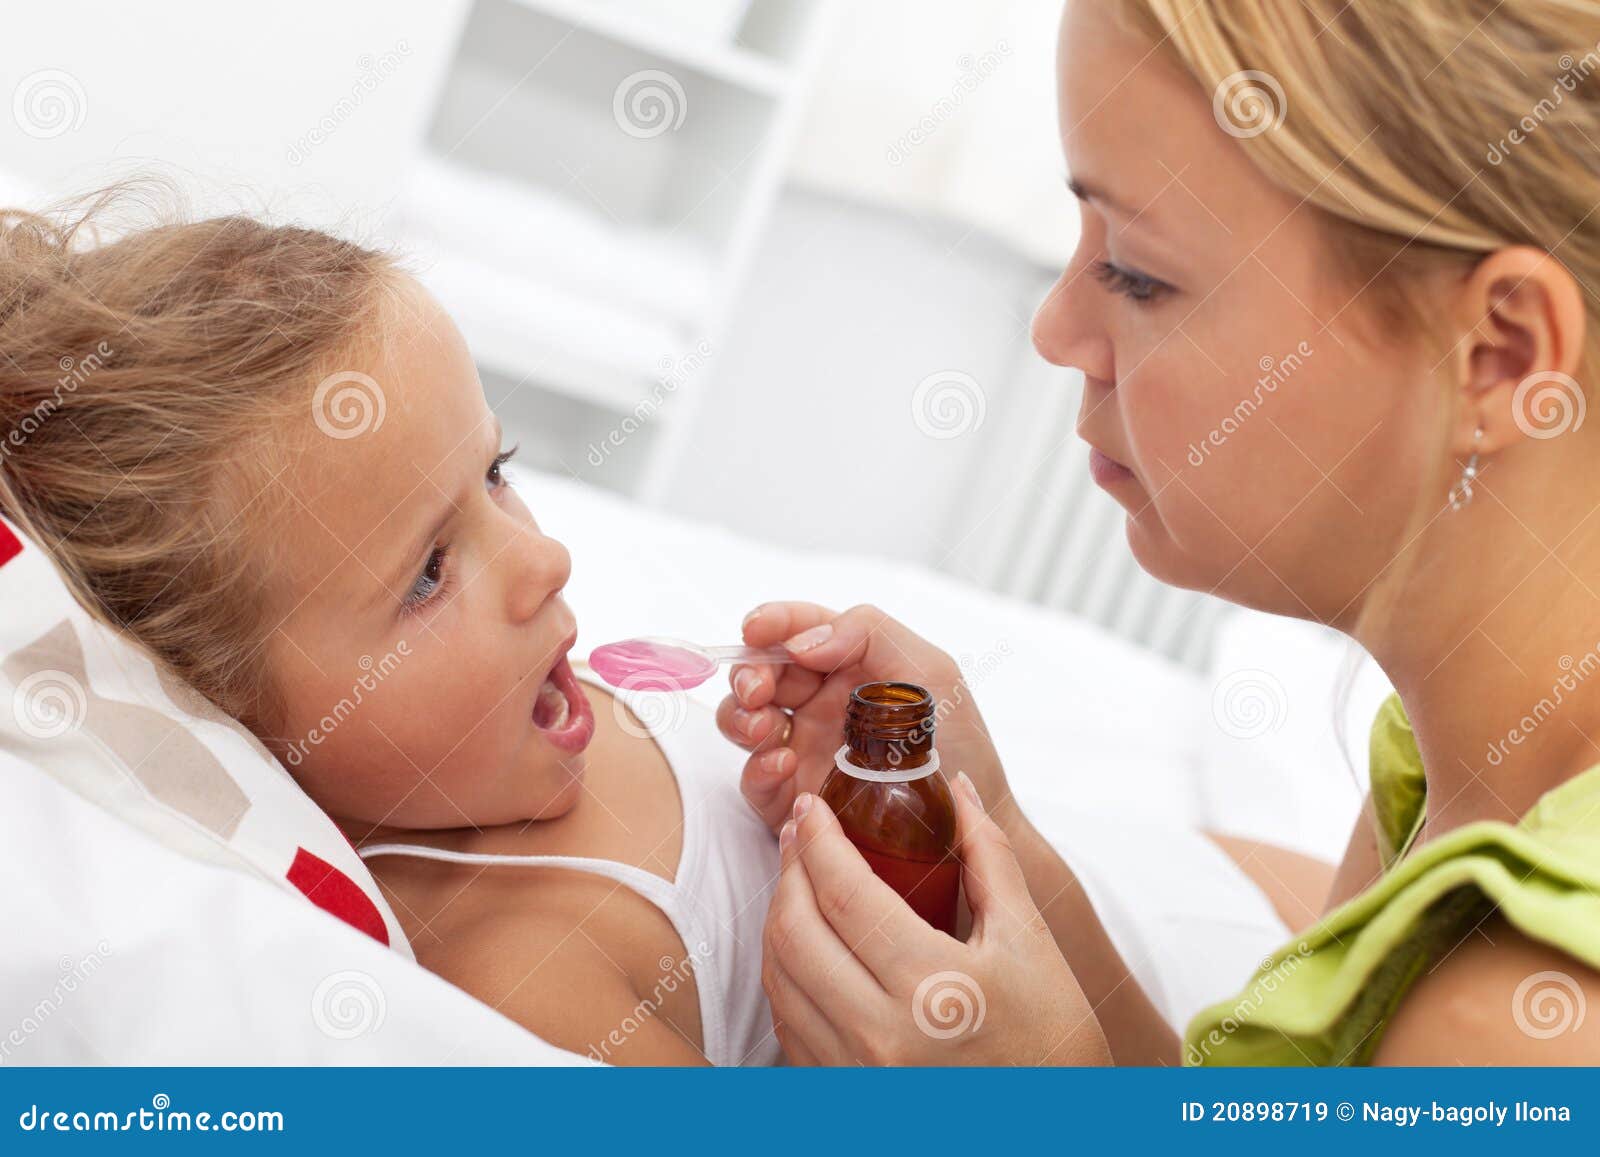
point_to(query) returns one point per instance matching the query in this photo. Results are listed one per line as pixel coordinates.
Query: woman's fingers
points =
(798, 940)
(997, 891)
(772, 623)
(864, 914)
(767, 784)
(781, 685)
(805, 1034)
(873, 642)
(757, 730)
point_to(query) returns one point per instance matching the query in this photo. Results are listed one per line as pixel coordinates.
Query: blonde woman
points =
(1407, 196)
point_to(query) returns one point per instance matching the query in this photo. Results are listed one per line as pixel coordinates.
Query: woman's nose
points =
(537, 567)
(1067, 331)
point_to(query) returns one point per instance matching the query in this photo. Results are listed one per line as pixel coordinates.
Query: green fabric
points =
(1324, 998)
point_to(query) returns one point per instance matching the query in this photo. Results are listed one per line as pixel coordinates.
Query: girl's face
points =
(1261, 443)
(420, 605)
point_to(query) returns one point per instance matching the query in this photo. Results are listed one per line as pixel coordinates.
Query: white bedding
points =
(1112, 750)
(1121, 756)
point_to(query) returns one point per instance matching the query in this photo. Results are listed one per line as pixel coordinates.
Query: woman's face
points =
(420, 604)
(1263, 444)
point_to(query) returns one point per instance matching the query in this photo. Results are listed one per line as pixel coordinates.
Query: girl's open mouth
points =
(562, 712)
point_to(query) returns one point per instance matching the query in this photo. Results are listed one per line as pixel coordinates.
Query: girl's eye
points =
(495, 478)
(1134, 286)
(431, 581)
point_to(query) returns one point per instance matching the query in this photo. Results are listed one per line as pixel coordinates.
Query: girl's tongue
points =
(562, 712)
(552, 709)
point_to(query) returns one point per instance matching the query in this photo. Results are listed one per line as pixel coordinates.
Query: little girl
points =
(281, 465)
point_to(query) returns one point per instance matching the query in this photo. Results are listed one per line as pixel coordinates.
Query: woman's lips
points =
(575, 732)
(1105, 470)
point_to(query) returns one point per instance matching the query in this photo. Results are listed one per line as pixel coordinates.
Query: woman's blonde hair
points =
(148, 386)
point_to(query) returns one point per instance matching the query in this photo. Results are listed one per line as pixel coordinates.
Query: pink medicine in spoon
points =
(641, 665)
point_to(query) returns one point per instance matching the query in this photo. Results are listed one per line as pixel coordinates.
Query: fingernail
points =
(802, 805)
(969, 787)
(779, 763)
(742, 719)
(807, 640)
(753, 616)
(786, 836)
(745, 683)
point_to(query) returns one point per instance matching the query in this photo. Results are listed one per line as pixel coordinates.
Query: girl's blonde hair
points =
(148, 387)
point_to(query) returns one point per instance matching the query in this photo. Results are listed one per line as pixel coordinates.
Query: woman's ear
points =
(1523, 322)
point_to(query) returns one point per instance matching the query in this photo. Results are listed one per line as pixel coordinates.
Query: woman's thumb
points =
(996, 889)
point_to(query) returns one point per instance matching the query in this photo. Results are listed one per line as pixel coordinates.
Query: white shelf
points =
(595, 262)
(558, 238)
(728, 62)
(585, 349)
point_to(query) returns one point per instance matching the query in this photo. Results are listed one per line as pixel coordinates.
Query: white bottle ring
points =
(841, 760)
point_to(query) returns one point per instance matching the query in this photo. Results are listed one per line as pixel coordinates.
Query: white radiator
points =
(1033, 525)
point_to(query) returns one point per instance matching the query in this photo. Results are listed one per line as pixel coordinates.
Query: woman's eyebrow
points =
(1085, 191)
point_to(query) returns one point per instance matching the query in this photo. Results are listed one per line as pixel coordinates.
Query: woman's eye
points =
(1134, 286)
(495, 477)
(430, 582)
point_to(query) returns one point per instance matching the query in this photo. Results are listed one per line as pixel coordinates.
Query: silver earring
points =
(1461, 492)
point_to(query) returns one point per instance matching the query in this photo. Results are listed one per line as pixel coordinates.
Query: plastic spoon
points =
(655, 664)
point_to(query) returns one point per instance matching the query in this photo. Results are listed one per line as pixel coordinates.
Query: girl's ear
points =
(1522, 330)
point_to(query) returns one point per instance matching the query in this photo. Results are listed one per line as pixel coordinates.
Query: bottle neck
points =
(888, 728)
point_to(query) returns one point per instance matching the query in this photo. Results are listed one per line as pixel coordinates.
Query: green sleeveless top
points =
(1324, 998)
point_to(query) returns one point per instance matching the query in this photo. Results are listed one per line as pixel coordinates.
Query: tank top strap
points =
(652, 887)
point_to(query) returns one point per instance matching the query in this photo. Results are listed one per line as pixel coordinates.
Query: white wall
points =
(807, 432)
(309, 111)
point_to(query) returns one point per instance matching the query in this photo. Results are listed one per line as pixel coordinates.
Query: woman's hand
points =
(855, 977)
(791, 716)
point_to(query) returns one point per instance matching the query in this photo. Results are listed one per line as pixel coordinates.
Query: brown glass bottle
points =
(901, 818)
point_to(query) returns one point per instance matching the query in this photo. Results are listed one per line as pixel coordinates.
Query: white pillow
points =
(169, 859)
(1283, 759)
(88, 707)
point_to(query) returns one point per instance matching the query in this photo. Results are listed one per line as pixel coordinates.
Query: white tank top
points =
(718, 900)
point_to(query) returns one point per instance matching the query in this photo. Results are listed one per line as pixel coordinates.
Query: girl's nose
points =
(537, 568)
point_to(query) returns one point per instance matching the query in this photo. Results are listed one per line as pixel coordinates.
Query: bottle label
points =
(841, 760)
